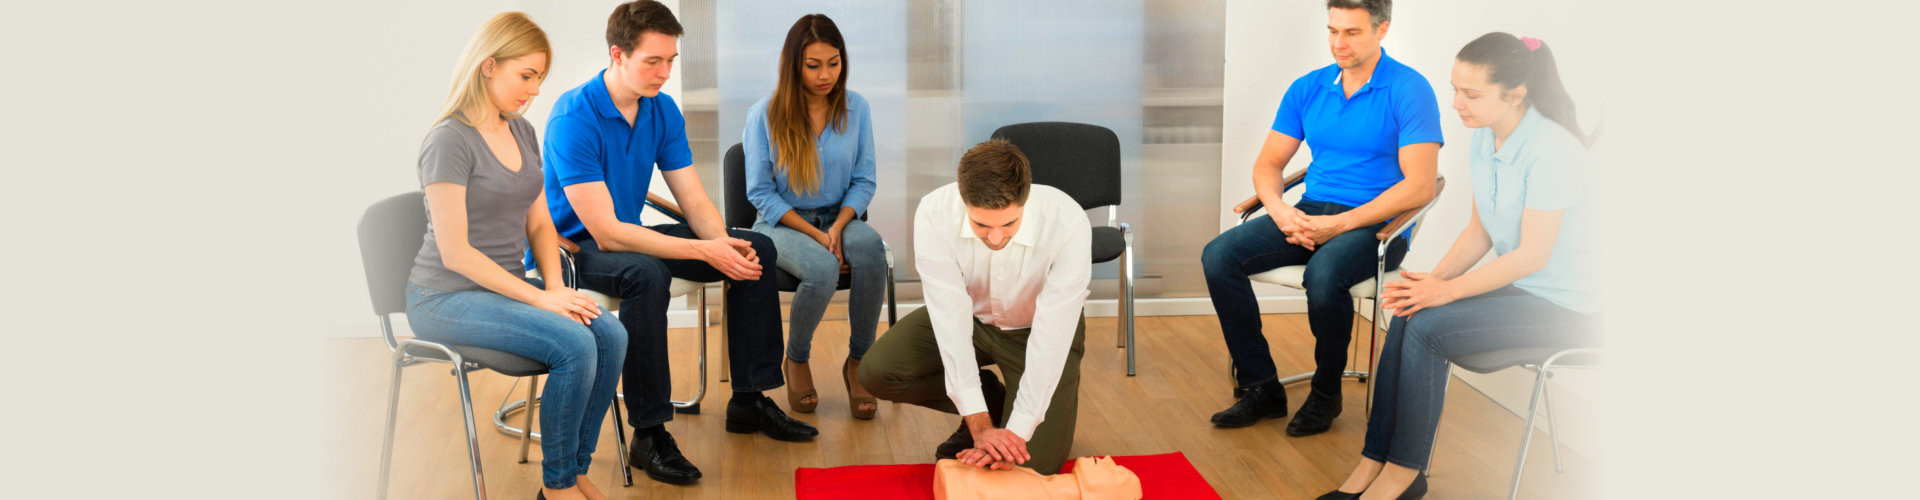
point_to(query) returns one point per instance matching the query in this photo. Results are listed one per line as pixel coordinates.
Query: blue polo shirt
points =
(1356, 141)
(588, 141)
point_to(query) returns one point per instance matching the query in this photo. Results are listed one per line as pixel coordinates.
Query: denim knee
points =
(644, 277)
(762, 245)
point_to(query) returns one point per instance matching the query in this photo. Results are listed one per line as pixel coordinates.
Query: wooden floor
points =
(1181, 381)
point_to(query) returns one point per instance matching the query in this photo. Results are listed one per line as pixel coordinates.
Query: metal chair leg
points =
(620, 441)
(526, 429)
(1546, 395)
(726, 312)
(1126, 282)
(1526, 439)
(473, 438)
(692, 406)
(892, 315)
(393, 410)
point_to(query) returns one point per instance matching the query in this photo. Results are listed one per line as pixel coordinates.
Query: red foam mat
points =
(1164, 476)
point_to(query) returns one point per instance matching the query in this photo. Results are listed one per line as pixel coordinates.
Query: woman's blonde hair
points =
(507, 35)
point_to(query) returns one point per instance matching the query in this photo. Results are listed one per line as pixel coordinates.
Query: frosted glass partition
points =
(751, 33)
(943, 74)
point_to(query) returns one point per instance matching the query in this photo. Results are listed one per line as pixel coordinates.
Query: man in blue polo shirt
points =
(1373, 125)
(604, 139)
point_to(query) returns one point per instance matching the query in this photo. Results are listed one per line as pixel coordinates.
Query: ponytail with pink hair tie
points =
(1533, 44)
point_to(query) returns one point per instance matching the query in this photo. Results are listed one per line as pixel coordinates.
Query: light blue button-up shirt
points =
(846, 165)
(1542, 166)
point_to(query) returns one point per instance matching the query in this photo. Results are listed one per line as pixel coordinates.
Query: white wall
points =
(404, 84)
(1269, 44)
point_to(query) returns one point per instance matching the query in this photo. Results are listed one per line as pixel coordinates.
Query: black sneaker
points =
(1266, 400)
(1316, 415)
(655, 452)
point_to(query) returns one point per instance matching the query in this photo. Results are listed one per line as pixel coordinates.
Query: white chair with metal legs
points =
(678, 288)
(1366, 291)
(390, 233)
(1542, 361)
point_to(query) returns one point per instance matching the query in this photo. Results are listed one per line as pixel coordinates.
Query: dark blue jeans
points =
(1410, 383)
(641, 282)
(582, 363)
(1335, 266)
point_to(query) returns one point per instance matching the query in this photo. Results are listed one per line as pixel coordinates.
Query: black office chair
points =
(391, 232)
(741, 214)
(1084, 161)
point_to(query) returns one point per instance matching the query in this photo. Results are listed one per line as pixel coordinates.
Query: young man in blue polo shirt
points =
(1373, 126)
(604, 139)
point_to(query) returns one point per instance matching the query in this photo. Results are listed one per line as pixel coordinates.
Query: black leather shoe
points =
(996, 395)
(1315, 416)
(540, 495)
(751, 412)
(1267, 400)
(655, 452)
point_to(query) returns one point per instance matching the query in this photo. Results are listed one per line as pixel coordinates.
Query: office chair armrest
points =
(1408, 218)
(666, 207)
(1253, 204)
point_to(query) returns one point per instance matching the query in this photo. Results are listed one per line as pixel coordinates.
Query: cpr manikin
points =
(1093, 478)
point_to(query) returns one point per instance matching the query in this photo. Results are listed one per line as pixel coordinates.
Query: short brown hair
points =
(632, 19)
(994, 175)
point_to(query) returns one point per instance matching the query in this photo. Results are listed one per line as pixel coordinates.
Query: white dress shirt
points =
(1038, 280)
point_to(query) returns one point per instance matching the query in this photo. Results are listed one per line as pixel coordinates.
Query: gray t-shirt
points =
(497, 198)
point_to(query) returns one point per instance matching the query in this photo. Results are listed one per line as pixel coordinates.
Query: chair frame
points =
(1402, 223)
(461, 367)
(1542, 371)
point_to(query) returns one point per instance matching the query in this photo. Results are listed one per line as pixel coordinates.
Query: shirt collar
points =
(1378, 67)
(1521, 133)
(600, 99)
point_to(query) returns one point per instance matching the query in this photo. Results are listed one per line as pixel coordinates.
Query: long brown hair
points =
(507, 35)
(788, 126)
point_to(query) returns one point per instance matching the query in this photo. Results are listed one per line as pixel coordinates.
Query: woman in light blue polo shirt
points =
(809, 171)
(1528, 161)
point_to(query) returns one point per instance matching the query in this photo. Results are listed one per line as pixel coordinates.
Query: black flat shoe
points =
(1266, 400)
(1417, 489)
(655, 452)
(1316, 415)
(751, 412)
(1336, 494)
(996, 395)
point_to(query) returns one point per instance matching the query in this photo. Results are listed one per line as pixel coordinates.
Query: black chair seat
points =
(788, 282)
(1108, 242)
(509, 364)
(1493, 361)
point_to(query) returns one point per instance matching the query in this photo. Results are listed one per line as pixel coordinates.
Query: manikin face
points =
(820, 68)
(1353, 38)
(1482, 103)
(995, 227)
(512, 83)
(648, 67)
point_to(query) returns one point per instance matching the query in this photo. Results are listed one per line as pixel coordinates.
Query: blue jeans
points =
(819, 275)
(642, 281)
(1411, 380)
(1334, 267)
(583, 363)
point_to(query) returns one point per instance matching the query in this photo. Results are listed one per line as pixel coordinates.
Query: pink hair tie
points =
(1533, 44)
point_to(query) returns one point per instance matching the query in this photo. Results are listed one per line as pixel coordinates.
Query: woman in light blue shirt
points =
(810, 173)
(1528, 161)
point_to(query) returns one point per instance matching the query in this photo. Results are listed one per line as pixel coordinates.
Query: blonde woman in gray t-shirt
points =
(480, 166)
